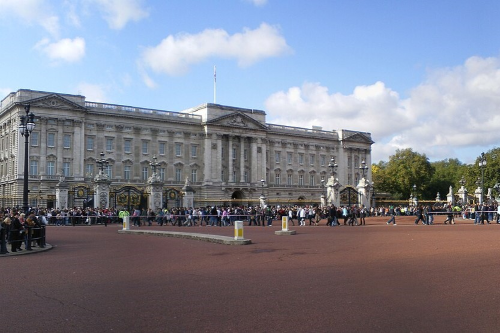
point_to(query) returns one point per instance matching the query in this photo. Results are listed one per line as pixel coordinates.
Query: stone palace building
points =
(218, 154)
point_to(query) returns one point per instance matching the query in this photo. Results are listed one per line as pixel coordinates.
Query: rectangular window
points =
(234, 153)
(245, 154)
(234, 176)
(178, 175)
(277, 156)
(301, 159)
(312, 180)
(90, 143)
(89, 170)
(222, 175)
(178, 149)
(194, 176)
(126, 172)
(51, 139)
(145, 173)
(162, 174)
(108, 171)
(34, 138)
(277, 179)
(289, 157)
(109, 144)
(289, 180)
(145, 146)
(127, 146)
(246, 176)
(51, 168)
(194, 151)
(66, 169)
(161, 148)
(312, 158)
(33, 168)
(67, 141)
(323, 160)
(222, 152)
(301, 180)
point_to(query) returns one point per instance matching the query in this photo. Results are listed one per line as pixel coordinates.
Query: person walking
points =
(392, 213)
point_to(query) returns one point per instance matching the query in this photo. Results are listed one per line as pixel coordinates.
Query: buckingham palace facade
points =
(227, 155)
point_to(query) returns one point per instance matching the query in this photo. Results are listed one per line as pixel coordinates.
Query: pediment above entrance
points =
(55, 101)
(237, 120)
(357, 137)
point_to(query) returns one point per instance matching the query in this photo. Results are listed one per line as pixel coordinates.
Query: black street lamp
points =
(482, 165)
(364, 168)
(154, 165)
(26, 126)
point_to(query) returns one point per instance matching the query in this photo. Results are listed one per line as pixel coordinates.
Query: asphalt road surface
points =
(373, 278)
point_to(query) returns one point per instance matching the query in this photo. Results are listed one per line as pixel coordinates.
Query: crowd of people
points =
(18, 229)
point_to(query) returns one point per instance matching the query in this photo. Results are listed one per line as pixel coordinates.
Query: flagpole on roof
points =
(215, 85)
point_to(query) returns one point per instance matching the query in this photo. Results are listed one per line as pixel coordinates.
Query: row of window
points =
(301, 157)
(108, 170)
(110, 144)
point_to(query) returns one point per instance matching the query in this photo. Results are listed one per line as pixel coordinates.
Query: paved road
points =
(375, 278)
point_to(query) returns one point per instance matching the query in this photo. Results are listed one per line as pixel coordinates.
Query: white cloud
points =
(31, 12)
(92, 92)
(258, 3)
(455, 108)
(175, 54)
(119, 12)
(68, 50)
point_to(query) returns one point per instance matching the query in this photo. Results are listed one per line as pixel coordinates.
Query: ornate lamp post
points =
(26, 126)
(364, 168)
(262, 181)
(333, 166)
(102, 163)
(482, 165)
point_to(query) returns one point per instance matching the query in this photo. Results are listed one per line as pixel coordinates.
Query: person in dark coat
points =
(16, 234)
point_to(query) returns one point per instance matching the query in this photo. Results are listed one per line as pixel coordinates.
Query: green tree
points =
(446, 173)
(404, 169)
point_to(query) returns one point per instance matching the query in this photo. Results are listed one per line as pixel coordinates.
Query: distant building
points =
(223, 151)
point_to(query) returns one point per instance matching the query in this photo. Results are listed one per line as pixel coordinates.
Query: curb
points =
(24, 252)
(189, 235)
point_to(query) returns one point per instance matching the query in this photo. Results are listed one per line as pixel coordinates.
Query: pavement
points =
(373, 278)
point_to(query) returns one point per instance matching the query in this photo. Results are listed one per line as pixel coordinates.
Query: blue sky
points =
(419, 74)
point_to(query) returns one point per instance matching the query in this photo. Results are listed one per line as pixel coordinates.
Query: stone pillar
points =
(101, 190)
(478, 195)
(155, 190)
(449, 197)
(78, 149)
(62, 194)
(188, 198)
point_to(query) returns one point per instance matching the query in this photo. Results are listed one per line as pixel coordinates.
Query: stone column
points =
(43, 147)
(253, 161)
(78, 149)
(219, 158)
(230, 167)
(263, 161)
(59, 147)
(207, 172)
(242, 159)
(463, 194)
